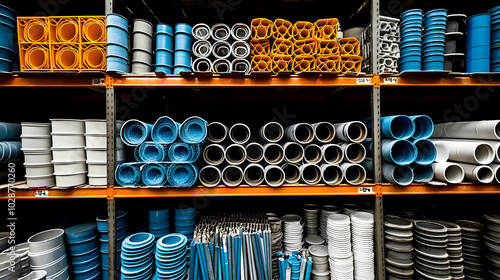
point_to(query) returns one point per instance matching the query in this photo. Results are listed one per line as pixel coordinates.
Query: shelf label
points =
(41, 193)
(98, 82)
(391, 80)
(363, 81)
(365, 190)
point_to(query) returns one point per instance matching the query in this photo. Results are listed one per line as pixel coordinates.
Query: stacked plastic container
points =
(84, 249)
(142, 50)
(454, 52)
(7, 46)
(121, 233)
(164, 49)
(182, 48)
(47, 251)
(10, 146)
(185, 222)
(36, 146)
(118, 43)
(434, 40)
(95, 146)
(411, 40)
(137, 249)
(159, 222)
(478, 43)
(495, 39)
(170, 257)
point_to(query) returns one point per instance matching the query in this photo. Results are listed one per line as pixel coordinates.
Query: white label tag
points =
(365, 190)
(363, 81)
(391, 80)
(41, 193)
(98, 81)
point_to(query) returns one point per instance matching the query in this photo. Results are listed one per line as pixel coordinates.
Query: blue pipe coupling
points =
(165, 130)
(400, 152)
(134, 132)
(193, 130)
(128, 174)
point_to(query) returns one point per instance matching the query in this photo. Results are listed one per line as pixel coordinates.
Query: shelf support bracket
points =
(110, 154)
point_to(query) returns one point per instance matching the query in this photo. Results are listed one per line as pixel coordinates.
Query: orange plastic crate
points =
(32, 30)
(93, 29)
(64, 30)
(34, 57)
(65, 57)
(93, 57)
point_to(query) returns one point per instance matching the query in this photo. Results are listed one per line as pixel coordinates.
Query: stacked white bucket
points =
(36, 143)
(95, 149)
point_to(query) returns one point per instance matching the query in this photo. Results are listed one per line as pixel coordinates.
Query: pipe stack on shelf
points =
(7, 46)
(473, 249)
(138, 248)
(183, 42)
(164, 52)
(118, 44)
(467, 149)
(454, 52)
(433, 43)
(36, 146)
(47, 251)
(454, 249)
(170, 257)
(495, 39)
(10, 146)
(83, 246)
(389, 39)
(142, 46)
(478, 43)
(492, 244)
(398, 247)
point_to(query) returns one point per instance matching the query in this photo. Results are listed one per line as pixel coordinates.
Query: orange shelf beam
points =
(51, 193)
(439, 81)
(464, 188)
(54, 80)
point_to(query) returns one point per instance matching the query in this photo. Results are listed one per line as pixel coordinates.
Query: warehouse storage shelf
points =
(54, 80)
(21, 191)
(463, 188)
(441, 79)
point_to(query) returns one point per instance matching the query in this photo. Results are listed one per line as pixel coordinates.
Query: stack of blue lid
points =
(434, 40)
(411, 40)
(183, 44)
(164, 48)
(185, 222)
(7, 29)
(121, 233)
(138, 256)
(478, 43)
(495, 39)
(171, 257)
(83, 247)
(117, 44)
(159, 222)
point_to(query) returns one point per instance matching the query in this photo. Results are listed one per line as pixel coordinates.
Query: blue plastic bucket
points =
(183, 42)
(426, 151)
(164, 57)
(398, 127)
(117, 50)
(154, 174)
(117, 35)
(165, 130)
(128, 174)
(117, 20)
(183, 28)
(134, 132)
(193, 130)
(115, 63)
(479, 65)
(164, 28)
(165, 68)
(164, 42)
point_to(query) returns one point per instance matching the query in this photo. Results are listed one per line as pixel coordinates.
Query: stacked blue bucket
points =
(434, 40)
(117, 44)
(164, 48)
(411, 40)
(84, 249)
(478, 43)
(183, 44)
(7, 46)
(171, 257)
(185, 222)
(138, 256)
(495, 39)
(121, 233)
(159, 222)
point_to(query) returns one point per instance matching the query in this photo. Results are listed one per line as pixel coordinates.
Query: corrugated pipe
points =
(201, 31)
(152, 152)
(220, 31)
(193, 130)
(239, 133)
(221, 49)
(424, 127)
(310, 173)
(496, 170)
(354, 131)
(292, 172)
(210, 176)
(332, 174)
(221, 66)
(202, 64)
(273, 153)
(469, 130)
(475, 152)
(216, 132)
(214, 154)
(354, 173)
(271, 132)
(274, 176)
(255, 152)
(240, 49)
(398, 127)
(353, 152)
(332, 153)
(235, 154)
(241, 65)
(134, 132)
(422, 174)
(182, 152)
(254, 174)
(426, 151)
(202, 49)
(302, 133)
(448, 172)
(154, 174)
(182, 175)
(165, 130)
(232, 176)
(128, 174)
(312, 153)
(294, 152)
(240, 32)
(400, 152)
(478, 173)
(324, 132)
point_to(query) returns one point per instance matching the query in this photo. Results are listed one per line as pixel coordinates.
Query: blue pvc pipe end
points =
(400, 152)
(424, 126)
(128, 174)
(398, 127)
(426, 152)
(135, 132)
(193, 130)
(182, 175)
(423, 173)
(165, 130)
(154, 174)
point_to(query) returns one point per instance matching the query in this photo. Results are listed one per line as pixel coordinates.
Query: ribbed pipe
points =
(332, 174)
(310, 173)
(478, 173)
(193, 130)
(426, 151)
(396, 174)
(235, 154)
(128, 174)
(302, 133)
(496, 171)
(324, 132)
(152, 152)
(354, 131)
(202, 49)
(240, 32)
(232, 176)
(469, 130)
(422, 174)
(353, 152)
(221, 66)
(294, 152)
(255, 152)
(332, 153)
(241, 65)
(448, 172)
(400, 152)
(182, 175)
(202, 64)
(273, 153)
(210, 176)
(274, 176)
(240, 49)
(292, 172)
(475, 152)
(254, 174)
(217, 132)
(239, 133)
(354, 173)
(214, 154)
(220, 31)
(201, 31)
(271, 132)
(165, 130)
(312, 153)
(221, 49)
(154, 174)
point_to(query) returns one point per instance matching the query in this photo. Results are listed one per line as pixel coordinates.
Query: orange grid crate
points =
(282, 29)
(282, 47)
(261, 28)
(328, 47)
(302, 30)
(350, 63)
(64, 30)
(328, 63)
(93, 29)
(34, 57)
(326, 29)
(32, 30)
(65, 57)
(281, 63)
(260, 47)
(349, 46)
(93, 57)
(261, 63)
(305, 47)
(303, 63)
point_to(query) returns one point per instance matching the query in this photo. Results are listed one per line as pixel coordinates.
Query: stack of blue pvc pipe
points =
(164, 48)
(7, 46)
(411, 40)
(183, 43)
(84, 250)
(121, 233)
(117, 44)
(434, 40)
(478, 43)
(495, 39)
(165, 152)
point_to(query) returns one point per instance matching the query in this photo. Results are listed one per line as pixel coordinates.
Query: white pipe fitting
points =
(469, 130)
(202, 64)
(220, 32)
(332, 153)
(274, 176)
(214, 154)
(273, 153)
(210, 176)
(312, 153)
(240, 32)
(332, 174)
(448, 172)
(216, 132)
(239, 133)
(271, 132)
(294, 152)
(478, 173)
(354, 131)
(310, 173)
(324, 132)
(354, 173)
(292, 173)
(201, 31)
(255, 152)
(475, 152)
(302, 133)
(232, 176)
(221, 66)
(235, 154)
(253, 174)
(353, 152)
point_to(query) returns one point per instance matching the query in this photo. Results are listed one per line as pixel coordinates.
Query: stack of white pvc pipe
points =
(303, 152)
(221, 48)
(467, 150)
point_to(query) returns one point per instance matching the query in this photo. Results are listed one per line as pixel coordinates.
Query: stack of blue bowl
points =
(159, 222)
(83, 247)
(495, 39)
(117, 44)
(434, 40)
(185, 222)
(171, 257)
(183, 44)
(121, 233)
(138, 256)
(478, 43)
(411, 40)
(7, 46)
(164, 48)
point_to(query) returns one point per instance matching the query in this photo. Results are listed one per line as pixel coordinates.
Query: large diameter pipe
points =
(422, 174)
(271, 132)
(239, 133)
(400, 152)
(332, 174)
(221, 66)
(399, 127)
(424, 127)
(255, 152)
(274, 176)
(324, 132)
(214, 154)
(235, 154)
(253, 174)
(310, 173)
(240, 49)
(396, 174)
(332, 153)
(475, 152)
(294, 152)
(201, 31)
(232, 176)
(240, 32)
(353, 152)
(312, 153)
(292, 173)
(220, 31)
(241, 65)
(202, 49)
(469, 130)
(493, 143)
(426, 151)
(354, 131)
(496, 171)
(448, 172)
(210, 176)
(202, 64)
(478, 173)
(273, 153)
(302, 133)
(354, 173)
(216, 132)
(165, 130)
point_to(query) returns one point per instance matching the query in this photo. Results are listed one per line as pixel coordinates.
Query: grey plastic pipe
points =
(324, 132)
(239, 133)
(210, 176)
(294, 152)
(469, 130)
(493, 143)
(302, 133)
(216, 132)
(274, 176)
(240, 49)
(271, 132)
(310, 173)
(253, 174)
(332, 153)
(475, 152)
(202, 49)
(232, 176)
(332, 174)
(292, 172)
(353, 152)
(214, 154)
(221, 49)
(354, 131)
(235, 154)
(478, 173)
(221, 66)
(241, 65)
(273, 153)
(220, 31)
(202, 64)
(397, 174)
(354, 173)
(240, 32)
(448, 172)
(255, 152)
(496, 171)
(443, 153)
(422, 174)
(312, 153)
(201, 31)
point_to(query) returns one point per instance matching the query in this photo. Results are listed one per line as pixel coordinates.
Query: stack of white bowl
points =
(35, 144)
(292, 232)
(339, 247)
(326, 211)
(47, 251)
(6, 265)
(68, 152)
(362, 234)
(21, 250)
(96, 144)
